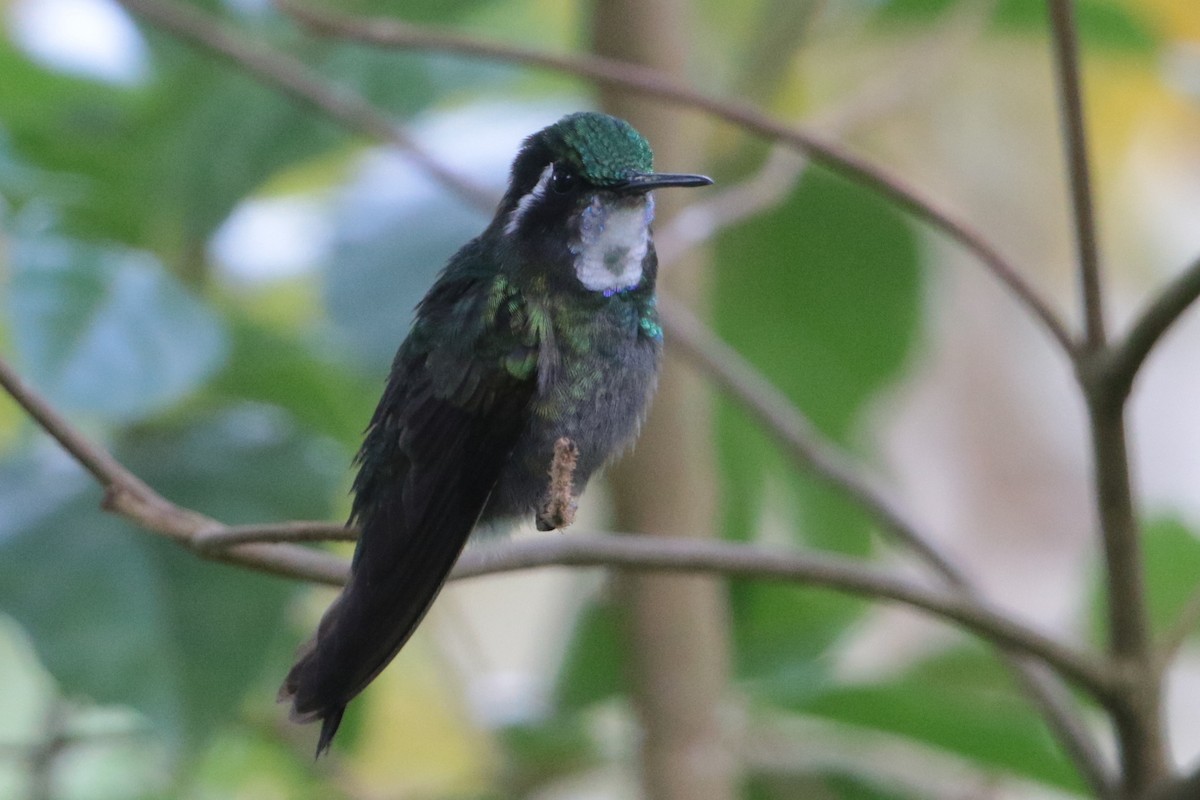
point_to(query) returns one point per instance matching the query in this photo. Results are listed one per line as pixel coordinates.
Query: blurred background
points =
(211, 279)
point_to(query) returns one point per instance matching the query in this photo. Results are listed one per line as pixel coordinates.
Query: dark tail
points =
(439, 439)
(383, 603)
(425, 476)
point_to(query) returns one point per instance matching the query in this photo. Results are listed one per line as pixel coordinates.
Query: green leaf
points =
(767, 785)
(823, 295)
(592, 669)
(380, 269)
(83, 587)
(106, 330)
(960, 702)
(1172, 559)
(270, 366)
(538, 753)
(853, 787)
(123, 616)
(1172, 554)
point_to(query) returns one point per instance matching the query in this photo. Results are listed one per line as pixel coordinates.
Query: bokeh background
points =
(211, 279)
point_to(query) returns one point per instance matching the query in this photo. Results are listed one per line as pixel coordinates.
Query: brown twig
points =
(734, 374)
(1137, 714)
(774, 181)
(634, 552)
(226, 536)
(128, 495)
(1066, 60)
(152, 512)
(276, 73)
(643, 80)
(296, 80)
(559, 511)
(1127, 357)
(766, 403)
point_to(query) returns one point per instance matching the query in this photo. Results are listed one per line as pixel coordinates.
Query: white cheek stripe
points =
(528, 201)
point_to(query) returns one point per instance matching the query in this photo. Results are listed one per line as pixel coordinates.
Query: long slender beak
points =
(659, 180)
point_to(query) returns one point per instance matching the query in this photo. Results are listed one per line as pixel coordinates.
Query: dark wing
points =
(456, 401)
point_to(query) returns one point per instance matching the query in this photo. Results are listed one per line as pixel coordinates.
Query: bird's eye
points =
(563, 180)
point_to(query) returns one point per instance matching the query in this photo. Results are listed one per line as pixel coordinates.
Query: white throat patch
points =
(613, 240)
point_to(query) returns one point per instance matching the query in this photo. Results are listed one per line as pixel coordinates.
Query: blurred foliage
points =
(113, 306)
(1110, 25)
(838, 266)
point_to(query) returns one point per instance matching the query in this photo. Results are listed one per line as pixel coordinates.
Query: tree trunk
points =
(677, 627)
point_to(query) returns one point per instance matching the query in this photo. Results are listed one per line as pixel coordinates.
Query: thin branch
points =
(734, 374)
(206, 536)
(1060, 710)
(1137, 714)
(643, 80)
(95, 459)
(296, 80)
(190, 529)
(128, 495)
(1185, 788)
(1127, 358)
(1066, 59)
(766, 403)
(774, 181)
(261, 548)
(737, 560)
(226, 536)
(1138, 711)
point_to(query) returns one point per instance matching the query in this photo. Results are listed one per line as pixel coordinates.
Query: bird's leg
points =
(559, 510)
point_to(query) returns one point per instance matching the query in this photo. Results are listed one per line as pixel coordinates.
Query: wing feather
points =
(447, 422)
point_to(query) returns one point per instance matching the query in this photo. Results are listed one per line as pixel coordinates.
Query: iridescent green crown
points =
(604, 149)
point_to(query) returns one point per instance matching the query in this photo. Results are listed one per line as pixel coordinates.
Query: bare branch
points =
(95, 459)
(1137, 711)
(198, 533)
(1066, 59)
(730, 370)
(229, 535)
(296, 80)
(1137, 714)
(643, 80)
(133, 499)
(733, 373)
(344, 105)
(1127, 357)
(774, 181)
(1185, 788)
(635, 552)
(128, 495)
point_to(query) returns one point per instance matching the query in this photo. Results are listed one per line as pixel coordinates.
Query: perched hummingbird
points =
(543, 328)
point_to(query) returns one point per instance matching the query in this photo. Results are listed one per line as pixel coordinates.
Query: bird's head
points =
(579, 196)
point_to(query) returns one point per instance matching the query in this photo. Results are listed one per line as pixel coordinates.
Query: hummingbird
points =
(542, 331)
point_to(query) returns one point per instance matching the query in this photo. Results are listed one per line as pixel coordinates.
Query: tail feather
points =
(418, 496)
(329, 727)
(368, 624)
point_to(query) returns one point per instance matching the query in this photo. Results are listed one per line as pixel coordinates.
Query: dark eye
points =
(563, 180)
